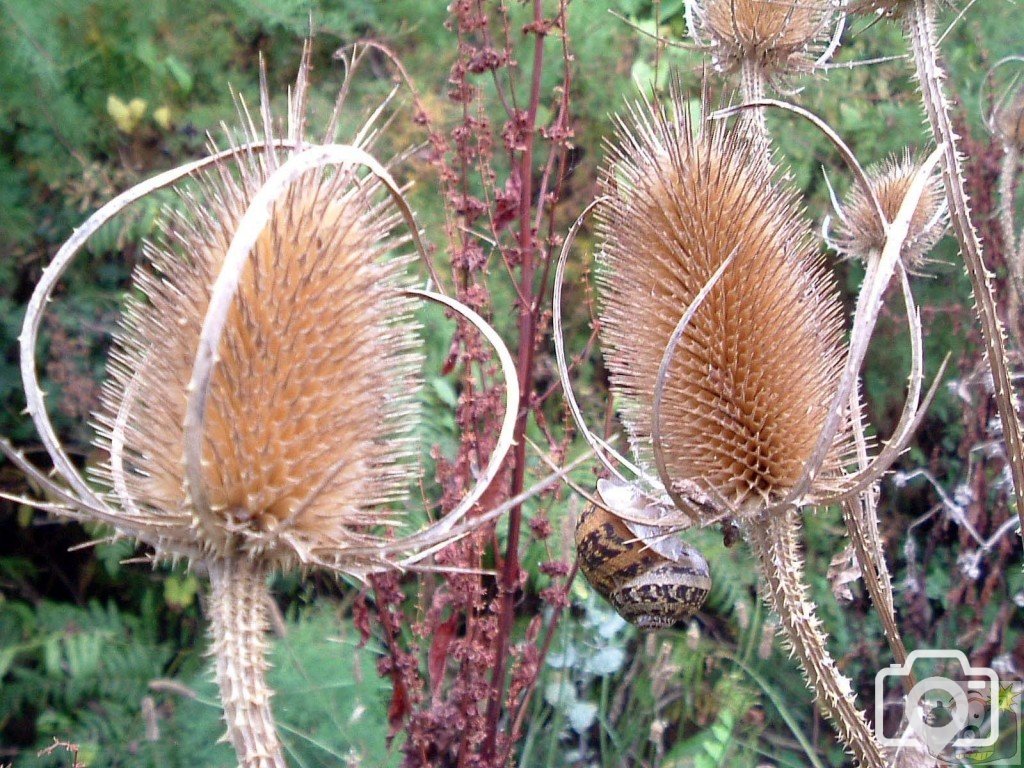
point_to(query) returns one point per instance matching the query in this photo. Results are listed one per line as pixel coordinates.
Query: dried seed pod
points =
(313, 400)
(753, 377)
(651, 577)
(859, 233)
(778, 38)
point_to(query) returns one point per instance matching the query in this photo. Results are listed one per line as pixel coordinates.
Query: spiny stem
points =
(861, 517)
(238, 619)
(862, 523)
(753, 122)
(921, 23)
(774, 539)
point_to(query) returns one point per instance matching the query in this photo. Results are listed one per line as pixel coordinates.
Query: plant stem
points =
(509, 580)
(921, 24)
(753, 122)
(1007, 182)
(774, 541)
(238, 619)
(861, 517)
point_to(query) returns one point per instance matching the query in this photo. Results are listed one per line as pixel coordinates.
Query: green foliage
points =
(96, 677)
(79, 674)
(330, 703)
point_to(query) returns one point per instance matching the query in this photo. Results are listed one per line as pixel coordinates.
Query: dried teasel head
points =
(752, 379)
(313, 400)
(261, 399)
(859, 232)
(776, 37)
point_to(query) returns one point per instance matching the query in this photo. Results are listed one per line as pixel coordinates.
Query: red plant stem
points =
(549, 635)
(509, 581)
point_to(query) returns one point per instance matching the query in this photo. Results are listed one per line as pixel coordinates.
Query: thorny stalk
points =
(238, 624)
(775, 540)
(921, 24)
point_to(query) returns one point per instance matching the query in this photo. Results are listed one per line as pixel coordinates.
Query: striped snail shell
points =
(652, 579)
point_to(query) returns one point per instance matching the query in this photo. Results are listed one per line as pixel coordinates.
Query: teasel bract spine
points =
(260, 408)
(752, 379)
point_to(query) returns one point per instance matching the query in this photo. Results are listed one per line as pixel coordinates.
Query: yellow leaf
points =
(120, 114)
(137, 108)
(162, 117)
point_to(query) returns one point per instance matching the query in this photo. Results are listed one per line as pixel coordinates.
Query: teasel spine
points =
(930, 74)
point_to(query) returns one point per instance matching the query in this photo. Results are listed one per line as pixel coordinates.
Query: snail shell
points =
(653, 580)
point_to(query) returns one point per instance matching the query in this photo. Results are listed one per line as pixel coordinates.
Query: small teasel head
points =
(777, 37)
(753, 376)
(859, 232)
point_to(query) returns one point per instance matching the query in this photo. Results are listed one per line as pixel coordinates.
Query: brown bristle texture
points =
(780, 37)
(757, 367)
(859, 232)
(313, 398)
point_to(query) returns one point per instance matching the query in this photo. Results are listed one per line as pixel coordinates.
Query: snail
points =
(652, 579)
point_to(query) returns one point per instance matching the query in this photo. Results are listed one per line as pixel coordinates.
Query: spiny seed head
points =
(859, 232)
(309, 421)
(780, 37)
(751, 382)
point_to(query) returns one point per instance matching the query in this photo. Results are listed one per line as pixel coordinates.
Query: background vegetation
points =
(108, 655)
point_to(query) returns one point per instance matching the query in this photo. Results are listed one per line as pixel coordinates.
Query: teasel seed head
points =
(313, 398)
(754, 374)
(859, 233)
(779, 37)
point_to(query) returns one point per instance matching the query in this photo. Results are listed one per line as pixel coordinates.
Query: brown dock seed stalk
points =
(260, 409)
(861, 235)
(722, 332)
